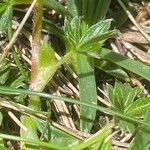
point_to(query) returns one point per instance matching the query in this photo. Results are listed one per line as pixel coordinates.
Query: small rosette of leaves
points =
(84, 38)
(125, 99)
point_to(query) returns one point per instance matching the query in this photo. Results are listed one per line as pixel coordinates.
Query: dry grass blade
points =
(134, 21)
(10, 44)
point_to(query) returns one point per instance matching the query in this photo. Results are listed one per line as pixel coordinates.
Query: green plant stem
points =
(34, 101)
(36, 38)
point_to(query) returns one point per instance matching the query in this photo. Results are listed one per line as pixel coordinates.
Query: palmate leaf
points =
(84, 38)
(98, 39)
(122, 95)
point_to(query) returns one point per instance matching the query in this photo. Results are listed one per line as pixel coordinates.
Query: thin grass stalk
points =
(14, 52)
(13, 91)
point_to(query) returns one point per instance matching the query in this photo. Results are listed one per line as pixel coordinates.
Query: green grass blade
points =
(37, 143)
(53, 4)
(52, 28)
(92, 4)
(101, 10)
(99, 137)
(87, 88)
(125, 62)
(13, 91)
(84, 9)
(74, 7)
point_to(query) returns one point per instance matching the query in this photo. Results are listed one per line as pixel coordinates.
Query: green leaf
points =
(45, 67)
(138, 107)
(87, 88)
(17, 2)
(5, 15)
(57, 136)
(30, 132)
(3, 148)
(112, 69)
(100, 10)
(101, 38)
(141, 141)
(4, 72)
(97, 29)
(75, 7)
(122, 95)
(142, 138)
(122, 61)
(84, 38)
(13, 91)
(98, 138)
(53, 4)
(33, 142)
(53, 28)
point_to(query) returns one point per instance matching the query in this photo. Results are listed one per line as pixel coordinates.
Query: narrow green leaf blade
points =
(99, 137)
(125, 62)
(87, 87)
(53, 4)
(75, 7)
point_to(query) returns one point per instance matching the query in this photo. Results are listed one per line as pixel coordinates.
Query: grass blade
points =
(38, 143)
(126, 63)
(101, 10)
(100, 137)
(75, 7)
(53, 4)
(13, 91)
(87, 88)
